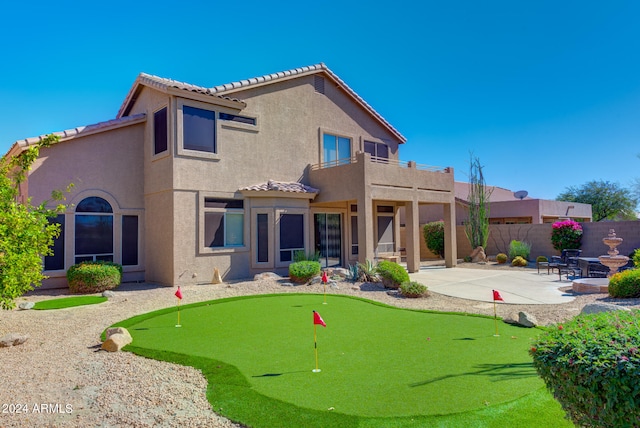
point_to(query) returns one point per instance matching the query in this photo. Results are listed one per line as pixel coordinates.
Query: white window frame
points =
(205, 249)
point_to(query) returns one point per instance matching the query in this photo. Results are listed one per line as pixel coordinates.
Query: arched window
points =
(94, 230)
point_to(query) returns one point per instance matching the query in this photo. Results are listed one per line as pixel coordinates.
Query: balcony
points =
(382, 179)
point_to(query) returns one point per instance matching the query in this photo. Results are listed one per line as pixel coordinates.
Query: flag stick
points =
(495, 317)
(315, 346)
(325, 294)
(178, 325)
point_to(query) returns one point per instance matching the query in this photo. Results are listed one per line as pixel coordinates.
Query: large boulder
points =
(478, 255)
(117, 338)
(527, 320)
(595, 308)
(12, 339)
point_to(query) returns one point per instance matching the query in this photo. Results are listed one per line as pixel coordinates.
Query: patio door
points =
(328, 238)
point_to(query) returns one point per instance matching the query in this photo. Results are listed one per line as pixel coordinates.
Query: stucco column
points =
(412, 237)
(365, 229)
(450, 240)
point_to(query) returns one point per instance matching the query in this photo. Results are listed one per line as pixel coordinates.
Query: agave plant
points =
(368, 271)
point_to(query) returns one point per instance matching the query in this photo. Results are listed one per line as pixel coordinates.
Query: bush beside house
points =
(94, 277)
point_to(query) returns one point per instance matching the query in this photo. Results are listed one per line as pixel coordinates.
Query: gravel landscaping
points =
(60, 377)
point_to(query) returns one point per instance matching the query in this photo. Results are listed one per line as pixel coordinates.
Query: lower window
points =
(291, 235)
(223, 223)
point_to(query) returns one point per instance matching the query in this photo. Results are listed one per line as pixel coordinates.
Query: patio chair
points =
(566, 263)
(597, 270)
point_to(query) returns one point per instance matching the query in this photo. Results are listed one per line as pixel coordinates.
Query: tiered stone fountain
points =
(613, 261)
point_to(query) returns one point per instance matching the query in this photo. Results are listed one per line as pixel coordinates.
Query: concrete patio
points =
(517, 287)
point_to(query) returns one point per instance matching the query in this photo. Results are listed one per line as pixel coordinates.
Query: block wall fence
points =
(539, 236)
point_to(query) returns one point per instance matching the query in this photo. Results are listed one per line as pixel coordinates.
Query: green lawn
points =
(68, 302)
(381, 366)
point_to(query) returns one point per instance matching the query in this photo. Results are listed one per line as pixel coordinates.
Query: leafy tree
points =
(477, 228)
(434, 237)
(26, 235)
(608, 200)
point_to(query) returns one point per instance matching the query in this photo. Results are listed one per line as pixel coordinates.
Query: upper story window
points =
(336, 149)
(199, 129)
(237, 118)
(160, 136)
(379, 151)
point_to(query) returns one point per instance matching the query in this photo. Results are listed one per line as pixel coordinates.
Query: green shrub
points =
(501, 258)
(519, 261)
(541, 259)
(625, 284)
(519, 249)
(392, 274)
(93, 277)
(303, 271)
(635, 256)
(467, 259)
(434, 237)
(566, 234)
(591, 365)
(412, 289)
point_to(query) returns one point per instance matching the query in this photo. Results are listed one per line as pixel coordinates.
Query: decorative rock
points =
(217, 279)
(342, 272)
(478, 255)
(333, 284)
(108, 294)
(118, 330)
(26, 305)
(594, 308)
(527, 320)
(116, 342)
(266, 275)
(12, 339)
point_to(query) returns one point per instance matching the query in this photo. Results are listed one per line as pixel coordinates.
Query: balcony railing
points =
(378, 160)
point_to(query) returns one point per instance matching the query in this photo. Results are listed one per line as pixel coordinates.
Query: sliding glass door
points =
(328, 238)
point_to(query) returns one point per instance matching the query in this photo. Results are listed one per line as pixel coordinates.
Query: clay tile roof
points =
(83, 130)
(280, 186)
(162, 83)
(311, 69)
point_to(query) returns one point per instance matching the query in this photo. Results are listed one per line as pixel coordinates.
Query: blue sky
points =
(545, 93)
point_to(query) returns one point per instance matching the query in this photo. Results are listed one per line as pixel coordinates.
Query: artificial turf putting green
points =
(68, 302)
(377, 362)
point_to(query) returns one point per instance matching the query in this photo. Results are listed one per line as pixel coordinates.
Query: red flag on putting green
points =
(324, 277)
(317, 319)
(179, 293)
(497, 296)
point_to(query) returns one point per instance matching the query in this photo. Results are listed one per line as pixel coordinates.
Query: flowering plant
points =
(566, 234)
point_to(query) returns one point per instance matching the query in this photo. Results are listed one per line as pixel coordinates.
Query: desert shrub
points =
(519, 249)
(434, 237)
(501, 258)
(353, 274)
(591, 365)
(368, 271)
(566, 234)
(413, 289)
(93, 277)
(392, 274)
(541, 259)
(519, 261)
(467, 259)
(303, 271)
(625, 284)
(635, 256)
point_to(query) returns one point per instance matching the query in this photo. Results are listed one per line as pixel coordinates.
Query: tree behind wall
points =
(608, 200)
(477, 226)
(26, 235)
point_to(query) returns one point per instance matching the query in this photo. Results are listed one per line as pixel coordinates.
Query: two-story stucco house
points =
(237, 177)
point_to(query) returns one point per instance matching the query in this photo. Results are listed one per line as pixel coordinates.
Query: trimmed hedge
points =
(94, 277)
(392, 274)
(591, 364)
(433, 234)
(625, 284)
(301, 272)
